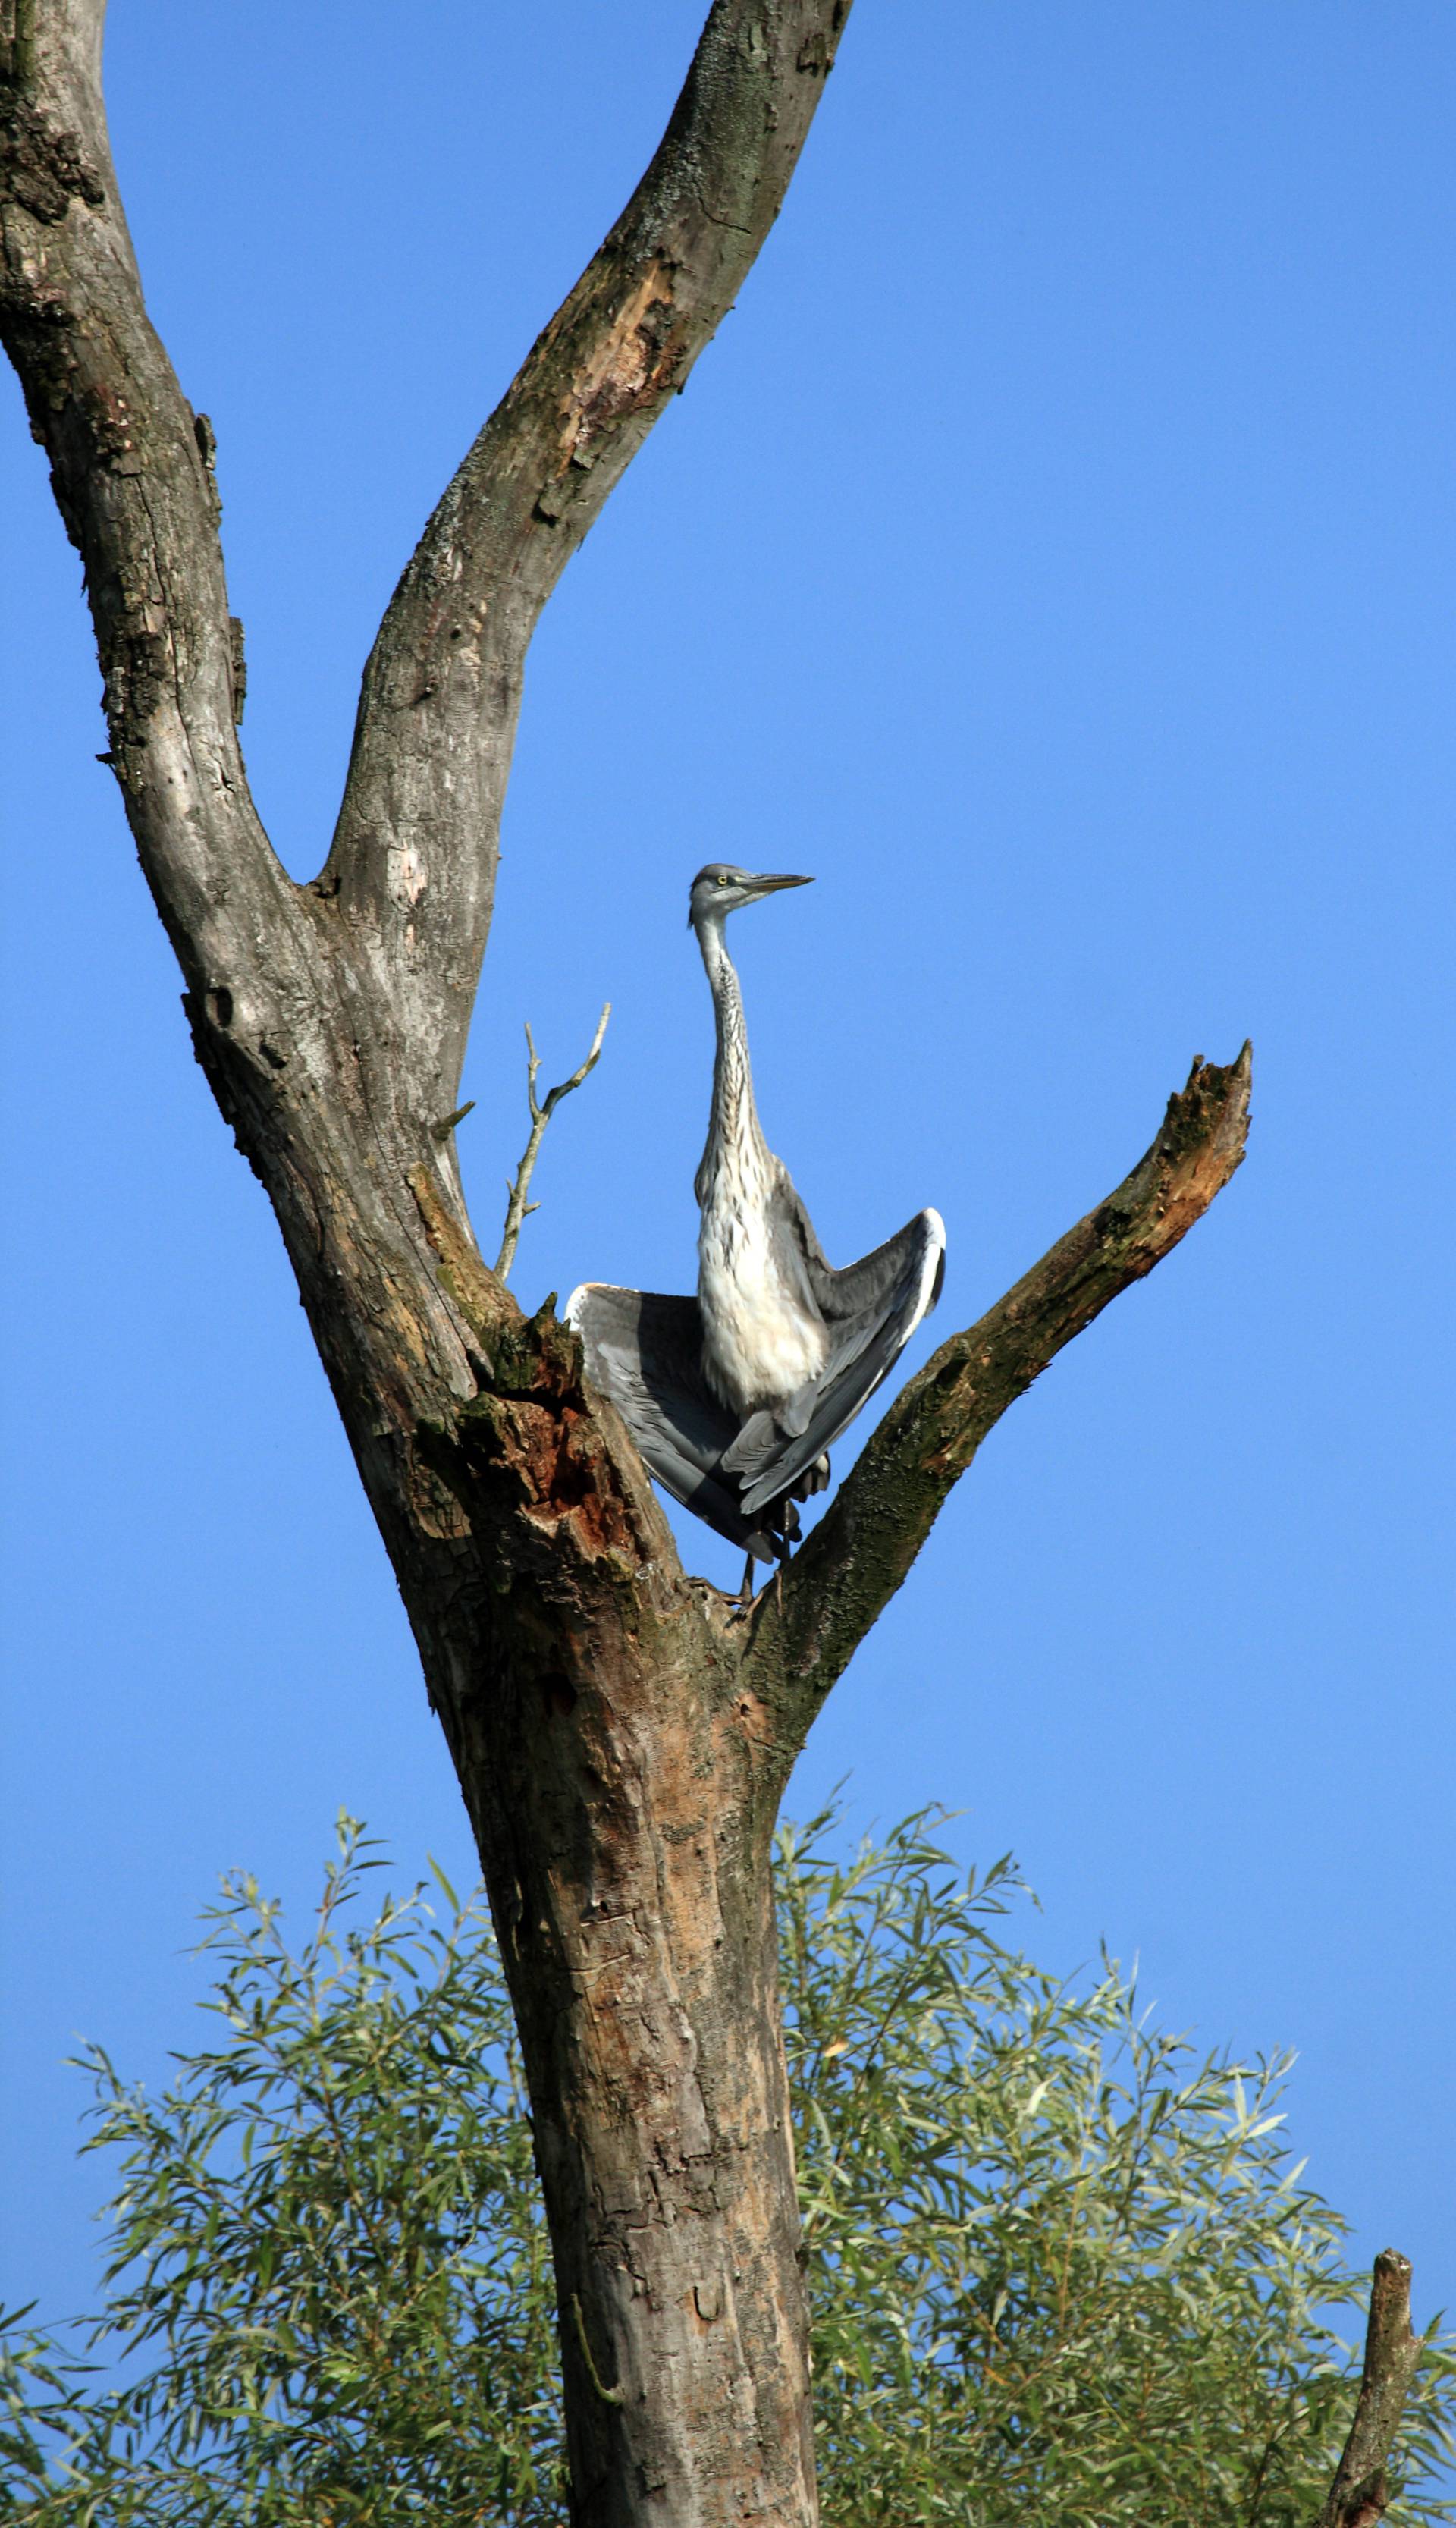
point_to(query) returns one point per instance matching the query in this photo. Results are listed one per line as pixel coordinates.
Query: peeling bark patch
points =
(135, 669)
(113, 426)
(42, 169)
(405, 874)
(633, 362)
(238, 662)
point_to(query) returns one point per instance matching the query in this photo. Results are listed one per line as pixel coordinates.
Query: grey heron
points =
(734, 1396)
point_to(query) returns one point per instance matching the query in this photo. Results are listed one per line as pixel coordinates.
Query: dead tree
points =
(621, 1742)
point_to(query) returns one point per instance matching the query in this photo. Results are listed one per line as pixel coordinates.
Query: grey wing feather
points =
(794, 1244)
(855, 1290)
(869, 1311)
(643, 1350)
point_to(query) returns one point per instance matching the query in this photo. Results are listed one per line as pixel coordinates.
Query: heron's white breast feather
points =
(761, 1341)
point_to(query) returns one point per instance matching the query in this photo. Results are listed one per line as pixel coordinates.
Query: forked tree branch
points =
(414, 858)
(517, 1208)
(806, 1625)
(411, 872)
(1360, 2493)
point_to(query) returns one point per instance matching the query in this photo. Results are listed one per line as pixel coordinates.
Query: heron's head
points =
(719, 889)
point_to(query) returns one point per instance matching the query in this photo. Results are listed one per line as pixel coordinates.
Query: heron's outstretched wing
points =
(869, 1312)
(643, 1350)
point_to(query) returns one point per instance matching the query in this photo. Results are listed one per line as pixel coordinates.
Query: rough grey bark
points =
(621, 1740)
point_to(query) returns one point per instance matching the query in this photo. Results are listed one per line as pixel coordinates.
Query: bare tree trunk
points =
(622, 1739)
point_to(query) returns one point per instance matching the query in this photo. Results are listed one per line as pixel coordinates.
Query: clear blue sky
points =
(1055, 553)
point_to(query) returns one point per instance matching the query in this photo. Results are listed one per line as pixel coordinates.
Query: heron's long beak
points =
(771, 886)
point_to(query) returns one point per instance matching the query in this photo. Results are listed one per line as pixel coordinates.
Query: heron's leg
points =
(784, 1545)
(746, 1593)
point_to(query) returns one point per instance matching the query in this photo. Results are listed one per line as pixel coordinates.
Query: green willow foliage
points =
(1061, 2270)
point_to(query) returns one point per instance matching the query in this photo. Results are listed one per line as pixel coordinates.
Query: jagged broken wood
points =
(1361, 2493)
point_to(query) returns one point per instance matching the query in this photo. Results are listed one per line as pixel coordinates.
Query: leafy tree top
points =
(1060, 2266)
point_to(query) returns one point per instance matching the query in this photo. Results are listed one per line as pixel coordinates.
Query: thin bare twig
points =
(1360, 2493)
(518, 1209)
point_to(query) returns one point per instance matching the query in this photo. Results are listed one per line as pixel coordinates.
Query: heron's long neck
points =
(734, 1123)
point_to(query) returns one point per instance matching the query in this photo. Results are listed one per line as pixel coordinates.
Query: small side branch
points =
(518, 1209)
(806, 1628)
(1360, 2493)
(608, 2396)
